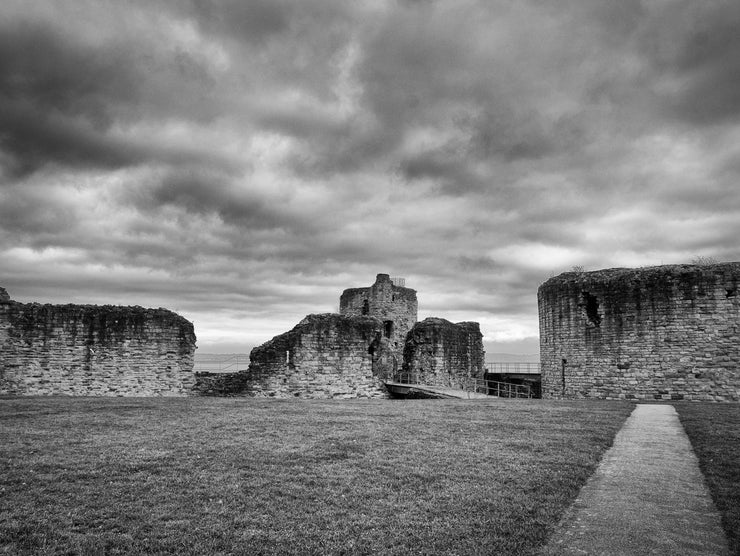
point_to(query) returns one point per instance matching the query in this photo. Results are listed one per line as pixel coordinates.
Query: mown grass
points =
(247, 476)
(714, 431)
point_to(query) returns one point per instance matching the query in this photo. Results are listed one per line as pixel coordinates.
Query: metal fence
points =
(215, 363)
(479, 385)
(513, 368)
(507, 389)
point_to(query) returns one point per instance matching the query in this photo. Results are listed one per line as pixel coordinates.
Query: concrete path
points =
(646, 497)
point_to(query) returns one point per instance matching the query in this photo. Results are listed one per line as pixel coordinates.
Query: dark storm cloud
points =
(45, 69)
(458, 74)
(31, 214)
(697, 59)
(31, 140)
(199, 191)
(253, 21)
(61, 98)
(55, 101)
(441, 165)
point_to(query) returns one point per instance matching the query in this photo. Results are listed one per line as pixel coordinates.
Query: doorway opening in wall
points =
(388, 328)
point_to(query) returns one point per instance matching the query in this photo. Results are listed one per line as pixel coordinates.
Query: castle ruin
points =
(656, 333)
(91, 350)
(374, 337)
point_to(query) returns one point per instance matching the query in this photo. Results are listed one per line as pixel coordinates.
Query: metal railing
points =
(507, 389)
(513, 368)
(479, 385)
(215, 363)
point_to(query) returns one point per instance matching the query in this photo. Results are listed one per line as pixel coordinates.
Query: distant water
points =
(219, 356)
(206, 361)
(493, 357)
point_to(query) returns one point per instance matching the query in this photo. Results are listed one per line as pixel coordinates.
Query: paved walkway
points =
(646, 497)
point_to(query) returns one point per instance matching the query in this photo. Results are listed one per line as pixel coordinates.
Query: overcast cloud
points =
(244, 162)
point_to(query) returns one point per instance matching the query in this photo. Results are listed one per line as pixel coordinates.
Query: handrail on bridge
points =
(471, 384)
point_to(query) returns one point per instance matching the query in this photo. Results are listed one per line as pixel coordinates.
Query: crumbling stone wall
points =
(441, 353)
(88, 350)
(395, 306)
(226, 385)
(666, 332)
(324, 356)
(349, 355)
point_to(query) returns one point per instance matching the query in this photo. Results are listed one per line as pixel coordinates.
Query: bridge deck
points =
(425, 390)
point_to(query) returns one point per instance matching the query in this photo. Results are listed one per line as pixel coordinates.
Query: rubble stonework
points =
(666, 332)
(89, 350)
(441, 353)
(324, 356)
(395, 306)
(223, 385)
(348, 355)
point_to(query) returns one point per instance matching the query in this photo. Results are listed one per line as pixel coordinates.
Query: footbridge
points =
(406, 385)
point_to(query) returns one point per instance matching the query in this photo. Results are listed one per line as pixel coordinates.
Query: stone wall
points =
(349, 355)
(324, 356)
(395, 306)
(221, 384)
(86, 350)
(442, 353)
(667, 332)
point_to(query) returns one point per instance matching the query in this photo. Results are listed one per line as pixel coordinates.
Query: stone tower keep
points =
(395, 306)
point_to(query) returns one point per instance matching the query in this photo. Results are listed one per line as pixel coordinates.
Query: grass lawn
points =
(248, 476)
(714, 430)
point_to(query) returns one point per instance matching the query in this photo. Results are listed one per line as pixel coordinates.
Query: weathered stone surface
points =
(324, 356)
(4, 297)
(667, 332)
(87, 350)
(395, 306)
(221, 384)
(348, 355)
(441, 353)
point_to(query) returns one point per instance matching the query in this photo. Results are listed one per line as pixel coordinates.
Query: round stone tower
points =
(665, 332)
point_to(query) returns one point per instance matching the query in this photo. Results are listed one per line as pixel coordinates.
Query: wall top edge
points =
(647, 273)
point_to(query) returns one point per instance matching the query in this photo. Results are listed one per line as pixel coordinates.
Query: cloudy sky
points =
(243, 162)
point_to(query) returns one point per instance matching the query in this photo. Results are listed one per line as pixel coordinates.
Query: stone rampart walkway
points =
(646, 497)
